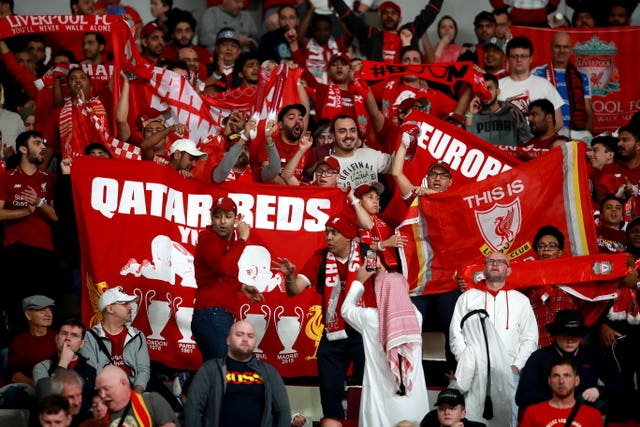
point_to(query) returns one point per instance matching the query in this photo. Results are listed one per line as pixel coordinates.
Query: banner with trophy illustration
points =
(138, 230)
(605, 55)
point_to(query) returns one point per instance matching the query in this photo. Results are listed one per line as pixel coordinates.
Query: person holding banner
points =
(510, 313)
(330, 271)
(216, 269)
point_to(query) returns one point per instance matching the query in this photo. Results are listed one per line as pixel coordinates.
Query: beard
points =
(292, 133)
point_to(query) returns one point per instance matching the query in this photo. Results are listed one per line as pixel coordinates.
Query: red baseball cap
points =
(386, 4)
(440, 164)
(332, 162)
(148, 29)
(365, 188)
(343, 226)
(226, 204)
(342, 56)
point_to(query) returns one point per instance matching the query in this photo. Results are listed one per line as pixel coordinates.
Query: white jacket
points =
(511, 314)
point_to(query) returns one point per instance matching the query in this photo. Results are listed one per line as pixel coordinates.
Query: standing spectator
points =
(216, 268)
(446, 50)
(129, 14)
(159, 10)
(93, 46)
(530, 13)
(582, 18)
(385, 44)
(563, 380)
(511, 315)
(484, 25)
(619, 14)
(182, 29)
(228, 14)
(227, 52)
(542, 122)
(503, 24)
(495, 121)
(394, 386)
(603, 152)
(238, 389)
(113, 342)
(329, 271)
(152, 42)
(611, 237)
(521, 87)
(26, 208)
(572, 85)
(11, 125)
(494, 58)
(123, 402)
(273, 45)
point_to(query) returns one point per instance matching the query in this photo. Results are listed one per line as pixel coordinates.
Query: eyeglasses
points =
(439, 175)
(326, 172)
(550, 247)
(519, 57)
(65, 334)
(490, 261)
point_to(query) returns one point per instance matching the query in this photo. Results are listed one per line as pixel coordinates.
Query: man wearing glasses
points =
(521, 87)
(509, 311)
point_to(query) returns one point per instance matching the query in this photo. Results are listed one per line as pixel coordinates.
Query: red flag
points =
(501, 213)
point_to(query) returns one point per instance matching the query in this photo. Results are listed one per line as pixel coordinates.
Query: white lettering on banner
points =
(50, 23)
(191, 211)
(287, 212)
(495, 194)
(470, 163)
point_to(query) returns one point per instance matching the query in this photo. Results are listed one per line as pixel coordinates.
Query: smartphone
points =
(372, 262)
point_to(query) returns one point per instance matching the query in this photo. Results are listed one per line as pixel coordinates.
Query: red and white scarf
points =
(400, 331)
(333, 320)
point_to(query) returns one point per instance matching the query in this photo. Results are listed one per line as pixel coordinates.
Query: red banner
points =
(501, 213)
(138, 229)
(605, 55)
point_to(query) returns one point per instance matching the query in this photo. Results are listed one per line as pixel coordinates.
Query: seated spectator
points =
(124, 402)
(54, 411)
(227, 51)
(619, 14)
(112, 342)
(503, 24)
(69, 384)
(600, 380)
(582, 18)
(159, 10)
(47, 373)
(450, 411)
(494, 58)
(26, 350)
(152, 42)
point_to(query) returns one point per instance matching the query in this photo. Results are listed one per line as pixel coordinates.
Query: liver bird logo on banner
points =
(500, 225)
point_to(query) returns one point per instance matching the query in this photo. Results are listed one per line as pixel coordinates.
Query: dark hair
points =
(579, 11)
(75, 322)
(53, 404)
(501, 11)
(99, 38)
(609, 197)
(546, 106)
(609, 143)
(36, 38)
(167, 3)
(320, 18)
(549, 230)
(521, 42)
(567, 360)
(75, 70)
(339, 117)
(65, 52)
(180, 63)
(22, 140)
(9, 2)
(242, 59)
(632, 130)
(285, 6)
(488, 77)
(178, 16)
(409, 48)
(455, 26)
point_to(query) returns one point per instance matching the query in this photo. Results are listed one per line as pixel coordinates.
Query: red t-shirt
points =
(26, 350)
(544, 415)
(117, 348)
(33, 229)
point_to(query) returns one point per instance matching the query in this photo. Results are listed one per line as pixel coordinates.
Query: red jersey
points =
(544, 415)
(33, 229)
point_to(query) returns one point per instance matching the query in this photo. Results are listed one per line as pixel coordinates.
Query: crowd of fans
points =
(509, 353)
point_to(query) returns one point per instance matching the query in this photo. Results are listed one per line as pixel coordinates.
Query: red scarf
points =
(335, 291)
(575, 93)
(140, 411)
